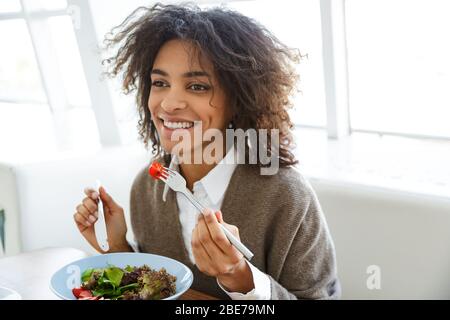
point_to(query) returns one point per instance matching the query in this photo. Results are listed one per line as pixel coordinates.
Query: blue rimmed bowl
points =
(69, 276)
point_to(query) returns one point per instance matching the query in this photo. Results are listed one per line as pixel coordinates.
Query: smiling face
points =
(185, 89)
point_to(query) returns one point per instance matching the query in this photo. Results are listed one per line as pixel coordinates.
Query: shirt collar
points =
(216, 182)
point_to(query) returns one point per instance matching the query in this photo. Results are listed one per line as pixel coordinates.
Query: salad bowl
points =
(66, 282)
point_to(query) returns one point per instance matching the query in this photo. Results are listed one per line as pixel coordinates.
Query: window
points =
(44, 100)
(399, 66)
(124, 106)
(297, 24)
(35, 5)
(7, 6)
(69, 61)
(20, 79)
(398, 71)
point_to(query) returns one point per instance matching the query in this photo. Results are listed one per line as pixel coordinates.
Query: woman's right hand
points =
(87, 213)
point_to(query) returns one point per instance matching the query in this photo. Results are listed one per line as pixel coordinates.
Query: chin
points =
(167, 146)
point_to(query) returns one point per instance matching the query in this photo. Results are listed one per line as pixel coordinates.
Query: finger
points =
(108, 201)
(216, 232)
(87, 232)
(206, 240)
(79, 224)
(224, 259)
(219, 216)
(202, 259)
(199, 242)
(91, 193)
(233, 229)
(234, 252)
(81, 221)
(81, 209)
(90, 204)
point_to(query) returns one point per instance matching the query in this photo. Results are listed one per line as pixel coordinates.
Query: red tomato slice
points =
(81, 293)
(86, 294)
(88, 298)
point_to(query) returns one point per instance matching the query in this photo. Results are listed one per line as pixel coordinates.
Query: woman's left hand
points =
(216, 256)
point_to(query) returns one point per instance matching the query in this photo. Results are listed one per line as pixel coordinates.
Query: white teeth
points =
(178, 125)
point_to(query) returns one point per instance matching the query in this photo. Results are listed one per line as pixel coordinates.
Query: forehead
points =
(179, 56)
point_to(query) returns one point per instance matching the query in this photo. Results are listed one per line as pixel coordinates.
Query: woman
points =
(217, 70)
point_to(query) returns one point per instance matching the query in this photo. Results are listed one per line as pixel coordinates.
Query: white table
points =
(29, 273)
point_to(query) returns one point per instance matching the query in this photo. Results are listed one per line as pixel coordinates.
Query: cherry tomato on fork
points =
(156, 170)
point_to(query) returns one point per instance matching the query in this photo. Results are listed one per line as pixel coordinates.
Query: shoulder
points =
(142, 178)
(285, 198)
(288, 182)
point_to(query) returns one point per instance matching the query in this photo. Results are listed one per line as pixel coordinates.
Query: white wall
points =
(42, 196)
(406, 235)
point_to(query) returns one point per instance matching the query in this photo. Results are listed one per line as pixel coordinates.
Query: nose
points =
(173, 102)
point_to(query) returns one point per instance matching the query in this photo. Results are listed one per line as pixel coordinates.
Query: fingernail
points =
(92, 218)
(96, 214)
(88, 223)
(95, 195)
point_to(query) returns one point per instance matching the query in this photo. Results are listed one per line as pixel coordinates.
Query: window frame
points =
(50, 75)
(334, 59)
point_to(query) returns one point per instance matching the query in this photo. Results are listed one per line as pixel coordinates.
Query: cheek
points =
(218, 118)
(151, 103)
(152, 106)
(219, 114)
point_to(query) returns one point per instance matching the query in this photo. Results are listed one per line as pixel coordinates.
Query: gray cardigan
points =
(279, 219)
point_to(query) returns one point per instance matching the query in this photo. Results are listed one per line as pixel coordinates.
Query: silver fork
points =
(177, 183)
(100, 224)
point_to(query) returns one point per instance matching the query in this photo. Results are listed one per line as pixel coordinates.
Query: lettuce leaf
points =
(114, 275)
(86, 275)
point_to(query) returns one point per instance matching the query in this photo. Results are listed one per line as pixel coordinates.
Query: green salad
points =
(129, 283)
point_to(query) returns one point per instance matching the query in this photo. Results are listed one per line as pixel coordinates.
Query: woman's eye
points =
(198, 87)
(158, 83)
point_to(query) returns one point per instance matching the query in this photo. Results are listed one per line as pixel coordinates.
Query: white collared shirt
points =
(210, 191)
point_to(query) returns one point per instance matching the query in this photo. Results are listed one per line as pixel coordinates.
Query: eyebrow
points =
(189, 74)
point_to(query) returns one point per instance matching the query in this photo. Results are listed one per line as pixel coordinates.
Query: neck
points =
(195, 172)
